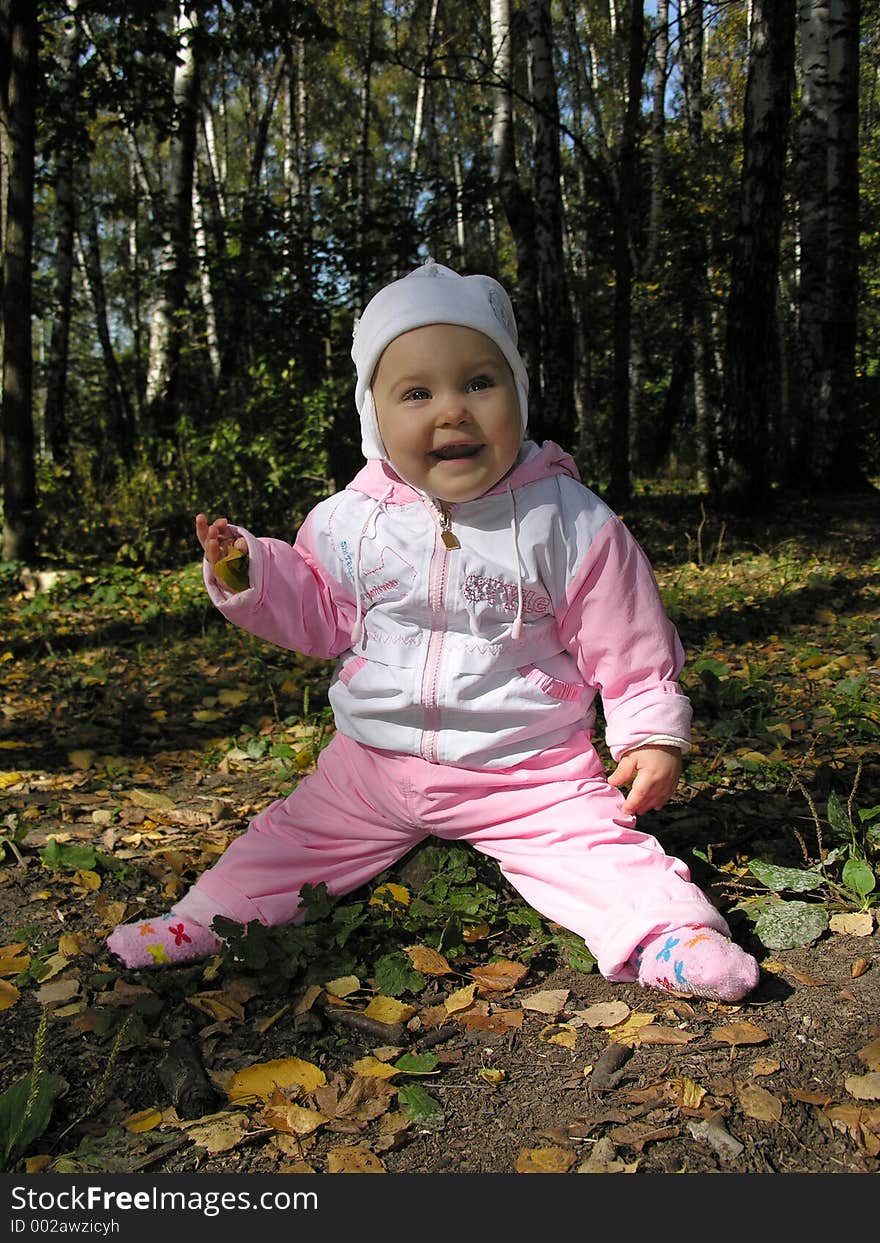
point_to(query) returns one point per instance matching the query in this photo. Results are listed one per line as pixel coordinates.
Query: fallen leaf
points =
(687, 1093)
(603, 1160)
(233, 699)
(354, 1160)
(499, 1022)
(803, 978)
(389, 1010)
(808, 1097)
(604, 1014)
(144, 1120)
(151, 799)
(548, 1001)
(859, 967)
(545, 1160)
(293, 1119)
(371, 1067)
(220, 1006)
(460, 999)
(491, 1074)
(864, 1087)
(428, 961)
(498, 977)
(870, 1055)
(559, 1033)
(740, 1033)
(387, 895)
(344, 986)
(57, 993)
(656, 1033)
(13, 959)
(217, 1132)
(852, 923)
(628, 1032)
(259, 1080)
(764, 1066)
(758, 1103)
(637, 1134)
(9, 994)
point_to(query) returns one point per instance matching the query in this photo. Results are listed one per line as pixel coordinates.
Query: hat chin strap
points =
(371, 442)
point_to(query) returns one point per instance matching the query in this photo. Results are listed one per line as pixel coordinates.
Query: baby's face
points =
(447, 410)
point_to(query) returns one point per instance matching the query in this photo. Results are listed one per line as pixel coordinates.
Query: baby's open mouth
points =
(450, 452)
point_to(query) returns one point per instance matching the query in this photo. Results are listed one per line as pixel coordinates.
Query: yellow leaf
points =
(475, 932)
(87, 879)
(491, 1075)
(344, 986)
(460, 999)
(294, 1119)
(389, 1010)
(544, 1161)
(145, 1120)
(758, 1103)
(559, 1033)
(354, 1160)
(151, 799)
(9, 994)
(207, 714)
(69, 946)
(657, 1033)
(427, 960)
(386, 895)
(259, 1081)
(372, 1068)
(233, 570)
(218, 1132)
(13, 959)
(10, 779)
(688, 1093)
(740, 1033)
(628, 1032)
(233, 699)
(80, 759)
(36, 1165)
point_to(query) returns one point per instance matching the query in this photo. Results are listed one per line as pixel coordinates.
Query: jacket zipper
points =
(437, 576)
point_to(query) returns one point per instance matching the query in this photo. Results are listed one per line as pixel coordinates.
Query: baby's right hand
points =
(216, 538)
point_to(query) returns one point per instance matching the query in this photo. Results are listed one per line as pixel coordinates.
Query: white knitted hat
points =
(432, 294)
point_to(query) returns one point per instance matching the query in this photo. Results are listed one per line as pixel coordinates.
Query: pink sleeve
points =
(616, 627)
(292, 601)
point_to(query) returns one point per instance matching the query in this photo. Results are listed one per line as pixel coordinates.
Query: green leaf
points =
(417, 1063)
(787, 925)
(838, 816)
(395, 975)
(20, 1126)
(858, 875)
(420, 1106)
(796, 880)
(869, 813)
(64, 856)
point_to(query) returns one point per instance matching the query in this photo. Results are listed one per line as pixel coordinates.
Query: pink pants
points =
(556, 827)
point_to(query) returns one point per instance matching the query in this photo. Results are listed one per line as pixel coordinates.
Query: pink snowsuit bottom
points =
(555, 826)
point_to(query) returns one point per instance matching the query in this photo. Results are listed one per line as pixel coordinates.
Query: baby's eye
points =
(416, 394)
(478, 383)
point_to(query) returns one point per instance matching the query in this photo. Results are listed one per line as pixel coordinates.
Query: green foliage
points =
(26, 1106)
(420, 1106)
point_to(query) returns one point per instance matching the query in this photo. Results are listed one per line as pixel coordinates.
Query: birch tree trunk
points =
(18, 25)
(174, 264)
(514, 199)
(555, 417)
(752, 372)
(55, 418)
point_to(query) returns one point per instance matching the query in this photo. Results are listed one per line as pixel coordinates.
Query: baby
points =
(476, 598)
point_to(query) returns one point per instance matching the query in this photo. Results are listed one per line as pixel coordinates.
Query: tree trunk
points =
(751, 379)
(556, 417)
(515, 200)
(828, 223)
(174, 265)
(620, 482)
(18, 22)
(65, 211)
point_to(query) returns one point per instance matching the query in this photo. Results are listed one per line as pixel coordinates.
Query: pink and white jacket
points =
(476, 634)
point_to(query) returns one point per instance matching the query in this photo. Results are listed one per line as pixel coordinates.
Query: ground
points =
(539, 1067)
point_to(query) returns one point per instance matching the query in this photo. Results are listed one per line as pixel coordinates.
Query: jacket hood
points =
(379, 480)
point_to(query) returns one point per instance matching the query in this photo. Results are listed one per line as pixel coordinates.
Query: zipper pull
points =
(448, 536)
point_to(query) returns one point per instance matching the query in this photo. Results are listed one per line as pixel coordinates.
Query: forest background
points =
(197, 199)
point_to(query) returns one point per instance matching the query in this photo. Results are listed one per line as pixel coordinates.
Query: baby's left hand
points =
(652, 772)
